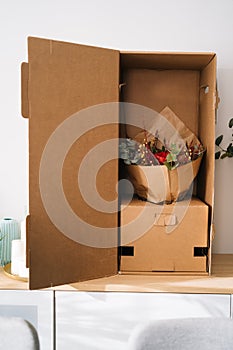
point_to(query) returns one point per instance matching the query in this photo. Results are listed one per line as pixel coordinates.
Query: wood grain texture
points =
(220, 282)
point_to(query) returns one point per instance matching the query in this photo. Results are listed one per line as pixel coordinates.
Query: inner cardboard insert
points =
(185, 83)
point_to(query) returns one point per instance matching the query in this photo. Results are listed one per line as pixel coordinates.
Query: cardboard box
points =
(172, 238)
(61, 79)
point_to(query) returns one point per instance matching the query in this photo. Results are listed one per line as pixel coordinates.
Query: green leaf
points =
(217, 155)
(168, 165)
(174, 149)
(218, 140)
(229, 147)
(171, 157)
(230, 123)
(224, 155)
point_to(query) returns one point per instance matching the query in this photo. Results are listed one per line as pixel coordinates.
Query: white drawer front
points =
(33, 306)
(99, 321)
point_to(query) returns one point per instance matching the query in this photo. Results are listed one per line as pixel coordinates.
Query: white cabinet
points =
(33, 306)
(103, 321)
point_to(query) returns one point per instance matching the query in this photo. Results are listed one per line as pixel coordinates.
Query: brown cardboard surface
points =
(63, 79)
(156, 89)
(166, 60)
(160, 250)
(24, 90)
(208, 105)
(206, 130)
(145, 180)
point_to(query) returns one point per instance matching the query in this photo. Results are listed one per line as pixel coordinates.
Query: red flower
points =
(161, 156)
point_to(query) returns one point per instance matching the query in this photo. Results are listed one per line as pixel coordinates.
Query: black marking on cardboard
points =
(127, 251)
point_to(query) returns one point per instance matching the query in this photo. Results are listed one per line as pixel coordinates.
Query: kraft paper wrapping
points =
(157, 183)
(150, 182)
(181, 179)
(166, 123)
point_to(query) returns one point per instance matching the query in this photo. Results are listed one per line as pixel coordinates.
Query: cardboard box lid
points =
(59, 80)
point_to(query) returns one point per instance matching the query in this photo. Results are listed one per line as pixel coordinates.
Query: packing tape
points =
(165, 220)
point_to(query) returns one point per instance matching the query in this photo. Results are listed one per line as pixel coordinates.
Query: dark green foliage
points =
(218, 140)
(224, 153)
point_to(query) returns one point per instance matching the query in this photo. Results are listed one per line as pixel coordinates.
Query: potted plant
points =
(222, 152)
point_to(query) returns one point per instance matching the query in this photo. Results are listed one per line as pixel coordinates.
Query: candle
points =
(23, 230)
(17, 255)
(23, 270)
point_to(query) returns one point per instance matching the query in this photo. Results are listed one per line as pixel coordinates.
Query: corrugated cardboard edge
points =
(27, 240)
(212, 227)
(208, 87)
(24, 89)
(164, 273)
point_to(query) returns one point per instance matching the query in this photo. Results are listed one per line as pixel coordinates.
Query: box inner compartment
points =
(185, 83)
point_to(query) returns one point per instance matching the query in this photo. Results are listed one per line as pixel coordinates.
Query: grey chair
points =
(184, 334)
(17, 334)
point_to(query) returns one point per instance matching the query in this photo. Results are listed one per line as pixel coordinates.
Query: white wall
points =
(180, 25)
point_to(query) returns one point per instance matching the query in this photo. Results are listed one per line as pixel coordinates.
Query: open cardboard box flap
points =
(61, 79)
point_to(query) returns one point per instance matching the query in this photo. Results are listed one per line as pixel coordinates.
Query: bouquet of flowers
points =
(152, 153)
(162, 171)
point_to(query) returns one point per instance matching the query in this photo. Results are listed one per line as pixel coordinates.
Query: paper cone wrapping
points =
(150, 182)
(157, 183)
(166, 123)
(181, 179)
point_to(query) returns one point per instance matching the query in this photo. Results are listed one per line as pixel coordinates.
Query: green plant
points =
(222, 152)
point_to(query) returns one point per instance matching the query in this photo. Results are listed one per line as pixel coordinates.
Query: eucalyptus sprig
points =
(132, 152)
(222, 152)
